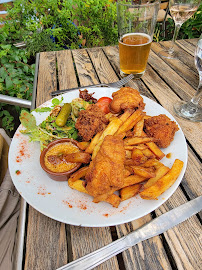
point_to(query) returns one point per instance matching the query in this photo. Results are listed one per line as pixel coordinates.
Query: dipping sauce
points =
(58, 150)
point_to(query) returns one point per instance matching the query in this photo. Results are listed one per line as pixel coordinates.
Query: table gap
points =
(76, 72)
(195, 153)
(199, 218)
(168, 252)
(25, 235)
(69, 245)
(119, 256)
(56, 70)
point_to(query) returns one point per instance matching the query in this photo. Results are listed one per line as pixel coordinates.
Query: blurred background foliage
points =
(51, 25)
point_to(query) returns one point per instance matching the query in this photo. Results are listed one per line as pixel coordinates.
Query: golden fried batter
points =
(90, 122)
(106, 170)
(125, 98)
(161, 128)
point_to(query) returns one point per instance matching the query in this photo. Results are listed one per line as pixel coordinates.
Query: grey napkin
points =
(9, 209)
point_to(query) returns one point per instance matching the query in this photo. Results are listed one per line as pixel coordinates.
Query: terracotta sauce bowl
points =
(58, 176)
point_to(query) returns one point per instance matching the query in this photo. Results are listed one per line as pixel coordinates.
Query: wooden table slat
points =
(66, 72)
(47, 80)
(84, 67)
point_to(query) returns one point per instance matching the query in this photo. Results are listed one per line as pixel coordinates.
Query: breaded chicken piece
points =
(106, 170)
(125, 98)
(90, 122)
(161, 128)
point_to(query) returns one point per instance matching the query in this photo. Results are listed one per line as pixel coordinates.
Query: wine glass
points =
(181, 11)
(191, 110)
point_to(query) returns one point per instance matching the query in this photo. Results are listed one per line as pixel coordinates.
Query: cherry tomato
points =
(103, 103)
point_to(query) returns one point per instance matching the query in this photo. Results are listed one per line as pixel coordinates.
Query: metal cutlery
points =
(151, 229)
(114, 84)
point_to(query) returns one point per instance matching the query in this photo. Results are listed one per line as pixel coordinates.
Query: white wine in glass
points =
(192, 110)
(181, 11)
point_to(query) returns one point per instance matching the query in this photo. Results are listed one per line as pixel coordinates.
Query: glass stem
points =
(177, 28)
(197, 96)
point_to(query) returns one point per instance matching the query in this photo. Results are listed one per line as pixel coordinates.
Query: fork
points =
(117, 84)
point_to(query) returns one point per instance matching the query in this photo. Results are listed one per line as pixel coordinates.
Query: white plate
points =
(58, 201)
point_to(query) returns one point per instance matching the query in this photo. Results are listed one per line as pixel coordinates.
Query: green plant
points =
(63, 24)
(40, 42)
(16, 80)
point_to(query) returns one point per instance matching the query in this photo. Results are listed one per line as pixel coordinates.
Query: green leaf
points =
(55, 101)
(3, 73)
(16, 81)
(9, 83)
(17, 58)
(6, 47)
(26, 69)
(24, 59)
(44, 109)
(6, 113)
(28, 120)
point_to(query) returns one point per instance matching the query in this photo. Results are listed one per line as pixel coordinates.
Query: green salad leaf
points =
(47, 131)
(43, 109)
(28, 120)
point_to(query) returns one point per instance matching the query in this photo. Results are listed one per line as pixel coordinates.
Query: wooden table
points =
(50, 244)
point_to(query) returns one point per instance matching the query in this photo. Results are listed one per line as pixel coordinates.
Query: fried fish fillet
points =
(161, 128)
(106, 170)
(126, 98)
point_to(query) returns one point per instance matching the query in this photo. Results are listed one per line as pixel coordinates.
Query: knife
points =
(151, 229)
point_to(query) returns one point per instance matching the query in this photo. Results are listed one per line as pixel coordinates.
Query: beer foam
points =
(137, 34)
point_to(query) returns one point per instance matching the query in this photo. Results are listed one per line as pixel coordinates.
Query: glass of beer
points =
(136, 24)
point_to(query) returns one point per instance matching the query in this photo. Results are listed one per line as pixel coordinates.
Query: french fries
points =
(160, 172)
(138, 157)
(155, 149)
(137, 140)
(78, 185)
(129, 192)
(93, 143)
(83, 145)
(133, 179)
(145, 172)
(78, 174)
(109, 130)
(114, 200)
(162, 184)
(130, 122)
(125, 115)
(78, 157)
(139, 128)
